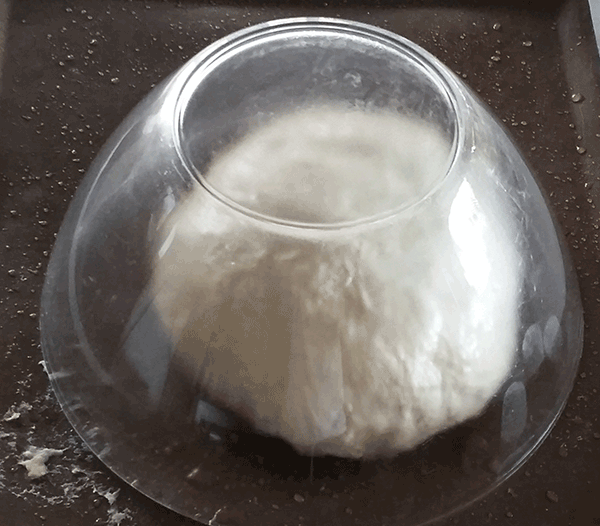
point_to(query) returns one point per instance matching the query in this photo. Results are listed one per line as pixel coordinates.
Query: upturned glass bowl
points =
(183, 291)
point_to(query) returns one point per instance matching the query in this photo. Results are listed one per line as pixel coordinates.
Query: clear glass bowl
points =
(214, 332)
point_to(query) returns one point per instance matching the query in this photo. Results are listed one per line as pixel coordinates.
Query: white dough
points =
(358, 341)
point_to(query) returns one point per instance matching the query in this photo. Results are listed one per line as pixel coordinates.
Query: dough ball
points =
(359, 340)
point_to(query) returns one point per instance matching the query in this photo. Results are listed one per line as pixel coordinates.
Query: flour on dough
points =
(357, 341)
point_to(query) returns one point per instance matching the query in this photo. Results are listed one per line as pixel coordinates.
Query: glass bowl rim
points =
(439, 75)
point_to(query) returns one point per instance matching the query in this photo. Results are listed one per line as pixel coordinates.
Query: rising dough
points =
(359, 340)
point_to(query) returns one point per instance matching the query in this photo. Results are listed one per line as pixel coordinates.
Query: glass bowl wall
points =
(112, 365)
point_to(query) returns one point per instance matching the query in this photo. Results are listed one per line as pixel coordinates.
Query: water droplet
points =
(581, 150)
(551, 496)
(298, 498)
(577, 97)
(497, 26)
(12, 273)
(527, 43)
(495, 58)
(114, 80)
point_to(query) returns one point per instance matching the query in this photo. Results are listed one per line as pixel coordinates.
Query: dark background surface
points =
(73, 70)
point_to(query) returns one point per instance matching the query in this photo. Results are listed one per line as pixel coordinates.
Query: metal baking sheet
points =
(73, 70)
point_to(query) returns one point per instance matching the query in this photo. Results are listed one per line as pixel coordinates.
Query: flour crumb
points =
(35, 458)
(115, 517)
(110, 496)
(44, 366)
(14, 412)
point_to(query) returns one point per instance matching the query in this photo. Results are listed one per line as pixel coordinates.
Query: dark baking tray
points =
(73, 70)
